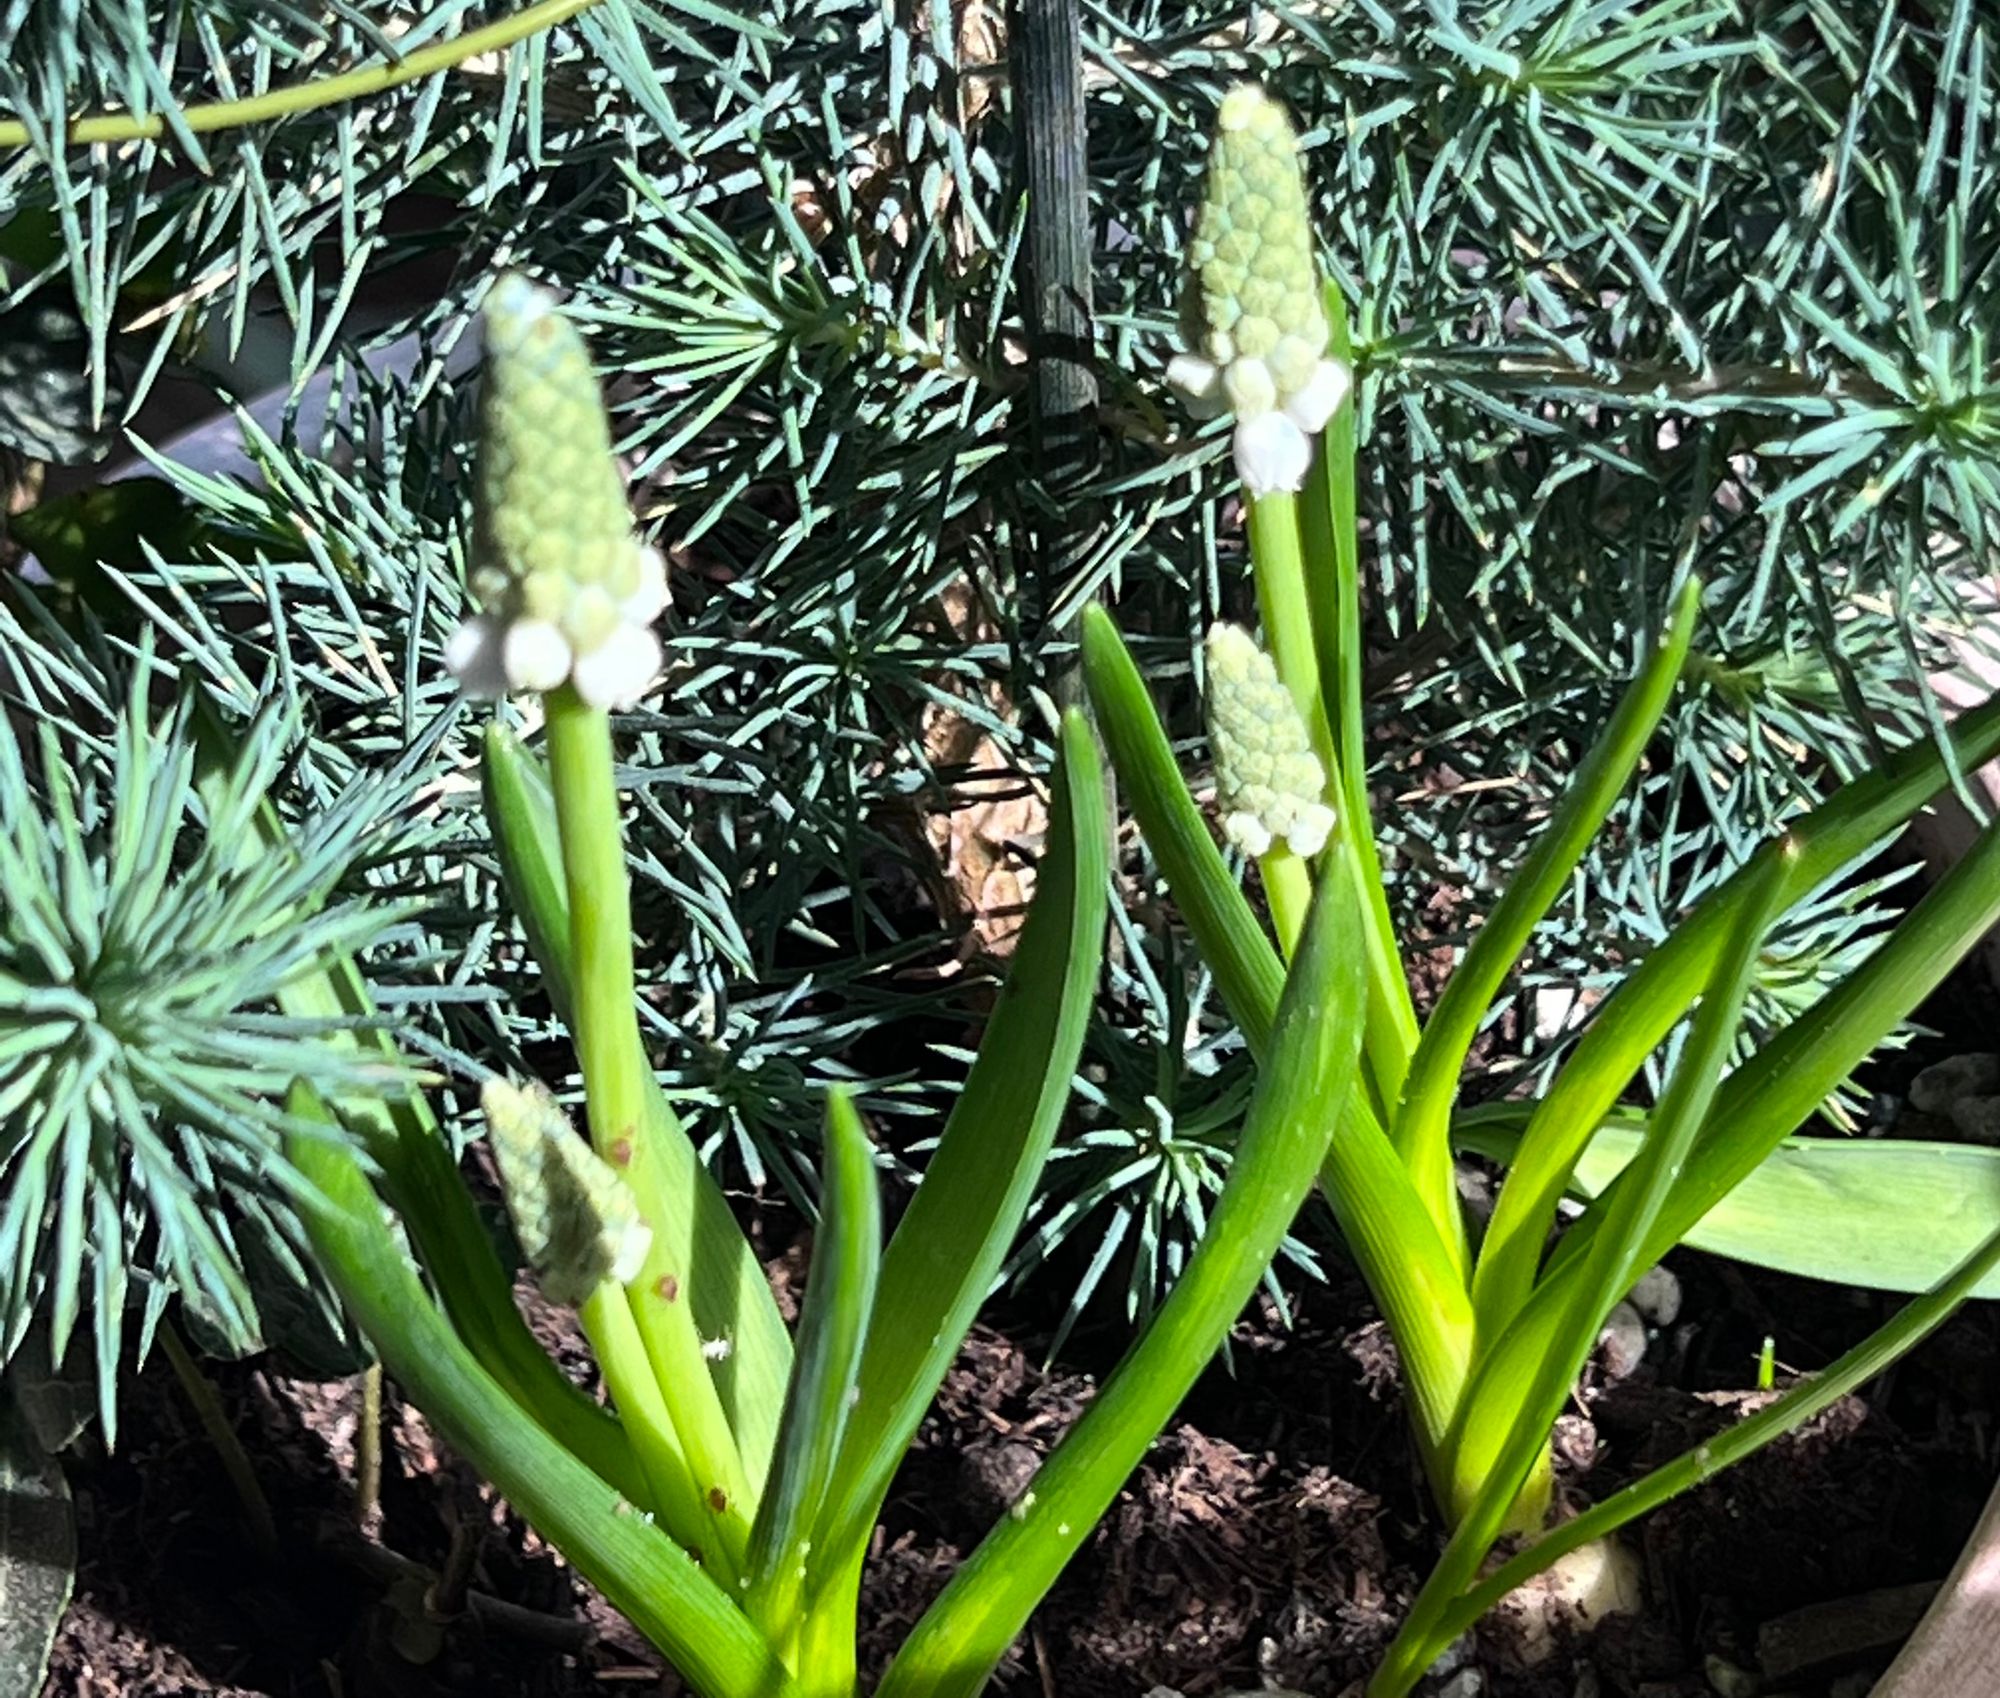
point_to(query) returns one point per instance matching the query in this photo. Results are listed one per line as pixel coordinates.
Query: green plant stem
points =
(1279, 567)
(1914, 1322)
(1278, 563)
(1288, 889)
(726, 1289)
(660, 1589)
(674, 1495)
(1312, 1070)
(405, 1141)
(229, 1449)
(613, 1059)
(356, 84)
(1330, 533)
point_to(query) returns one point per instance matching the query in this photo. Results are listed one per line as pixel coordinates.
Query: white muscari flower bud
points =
(1254, 320)
(576, 1218)
(567, 592)
(1270, 783)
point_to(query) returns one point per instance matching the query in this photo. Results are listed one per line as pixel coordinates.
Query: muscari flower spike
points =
(567, 593)
(1253, 318)
(1270, 783)
(576, 1218)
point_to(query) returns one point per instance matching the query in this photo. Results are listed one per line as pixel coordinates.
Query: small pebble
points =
(1453, 1657)
(1467, 1683)
(1622, 1342)
(1943, 1083)
(1726, 1680)
(1657, 1296)
(1588, 1685)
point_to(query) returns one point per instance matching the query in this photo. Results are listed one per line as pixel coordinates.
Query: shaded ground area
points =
(1275, 1535)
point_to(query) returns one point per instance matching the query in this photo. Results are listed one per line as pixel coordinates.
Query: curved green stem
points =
(356, 84)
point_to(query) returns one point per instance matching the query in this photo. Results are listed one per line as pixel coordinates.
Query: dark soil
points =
(1275, 1534)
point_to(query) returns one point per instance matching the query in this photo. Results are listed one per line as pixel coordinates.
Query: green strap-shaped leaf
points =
(1760, 1103)
(1880, 1214)
(1652, 1001)
(1385, 1222)
(1521, 1385)
(1314, 1066)
(727, 1292)
(405, 1141)
(1422, 1127)
(662, 1590)
(949, 1247)
(840, 1295)
(1247, 970)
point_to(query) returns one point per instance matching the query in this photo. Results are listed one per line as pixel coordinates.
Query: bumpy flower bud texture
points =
(567, 593)
(1255, 324)
(576, 1218)
(1267, 778)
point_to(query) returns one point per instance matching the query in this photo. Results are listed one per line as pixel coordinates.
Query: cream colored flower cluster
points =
(1255, 324)
(567, 593)
(1270, 784)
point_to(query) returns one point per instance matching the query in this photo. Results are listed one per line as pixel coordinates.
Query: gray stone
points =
(1977, 1119)
(1657, 1296)
(1943, 1083)
(1622, 1342)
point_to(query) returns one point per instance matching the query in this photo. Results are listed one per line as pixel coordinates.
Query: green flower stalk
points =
(567, 592)
(1270, 784)
(1253, 318)
(578, 1223)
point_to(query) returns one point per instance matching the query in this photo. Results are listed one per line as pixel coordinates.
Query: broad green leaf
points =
(1422, 1127)
(1656, 996)
(727, 1289)
(948, 1249)
(37, 1556)
(1884, 1214)
(1315, 1065)
(662, 1590)
(840, 1294)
